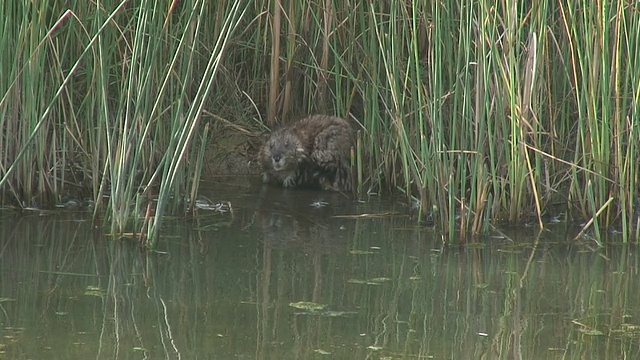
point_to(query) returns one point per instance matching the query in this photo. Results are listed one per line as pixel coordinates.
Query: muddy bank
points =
(232, 153)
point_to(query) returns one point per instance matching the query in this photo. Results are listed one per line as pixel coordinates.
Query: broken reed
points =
(477, 111)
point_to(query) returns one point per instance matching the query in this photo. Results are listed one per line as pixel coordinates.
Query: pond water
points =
(281, 279)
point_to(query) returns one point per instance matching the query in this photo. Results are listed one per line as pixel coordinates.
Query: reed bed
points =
(478, 112)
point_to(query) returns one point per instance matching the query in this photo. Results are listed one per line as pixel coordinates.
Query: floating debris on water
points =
(307, 305)
(318, 204)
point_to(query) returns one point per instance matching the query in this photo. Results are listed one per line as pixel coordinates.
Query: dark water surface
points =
(281, 279)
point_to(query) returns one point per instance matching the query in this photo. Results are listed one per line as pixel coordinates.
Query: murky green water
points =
(378, 288)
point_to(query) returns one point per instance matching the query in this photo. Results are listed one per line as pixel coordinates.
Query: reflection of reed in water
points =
(302, 260)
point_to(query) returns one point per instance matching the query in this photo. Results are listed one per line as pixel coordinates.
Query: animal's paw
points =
(265, 177)
(325, 184)
(290, 181)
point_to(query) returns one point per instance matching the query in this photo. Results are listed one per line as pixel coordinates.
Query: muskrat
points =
(314, 151)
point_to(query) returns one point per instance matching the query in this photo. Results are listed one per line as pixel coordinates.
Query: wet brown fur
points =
(314, 151)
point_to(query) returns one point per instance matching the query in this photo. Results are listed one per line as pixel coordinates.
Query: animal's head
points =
(284, 151)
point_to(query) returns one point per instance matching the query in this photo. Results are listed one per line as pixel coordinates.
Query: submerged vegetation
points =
(477, 111)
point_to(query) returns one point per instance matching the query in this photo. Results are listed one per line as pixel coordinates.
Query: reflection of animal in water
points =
(283, 230)
(311, 151)
(286, 219)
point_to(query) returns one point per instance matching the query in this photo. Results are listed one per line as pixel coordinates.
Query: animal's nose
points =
(276, 158)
